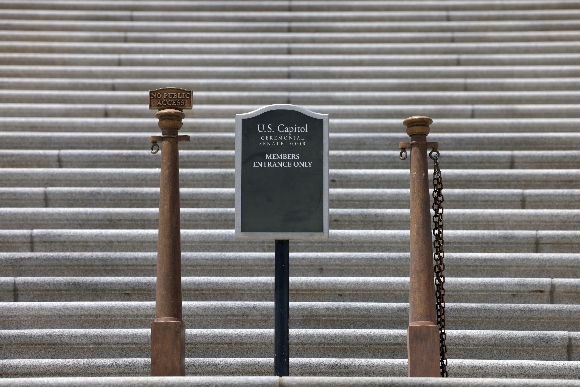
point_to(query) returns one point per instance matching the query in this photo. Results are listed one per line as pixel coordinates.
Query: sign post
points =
(282, 192)
(168, 329)
(281, 307)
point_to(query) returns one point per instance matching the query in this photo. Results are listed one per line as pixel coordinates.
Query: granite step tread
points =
(339, 219)
(339, 178)
(360, 241)
(202, 127)
(304, 343)
(338, 159)
(289, 37)
(259, 25)
(306, 372)
(302, 289)
(319, 265)
(244, 315)
(285, 59)
(133, 197)
(299, 98)
(470, 372)
(154, 60)
(421, 71)
(483, 48)
(465, 111)
(291, 15)
(320, 5)
(449, 143)
(297, 85)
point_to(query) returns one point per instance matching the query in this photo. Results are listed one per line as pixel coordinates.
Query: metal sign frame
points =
(238, 178)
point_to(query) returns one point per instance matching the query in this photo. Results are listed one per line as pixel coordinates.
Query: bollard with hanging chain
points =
(423, 342)
(168, 329)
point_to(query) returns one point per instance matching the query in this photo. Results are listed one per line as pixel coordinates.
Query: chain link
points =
(438, 256)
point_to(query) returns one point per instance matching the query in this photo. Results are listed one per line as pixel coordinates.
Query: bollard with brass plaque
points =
(168, 329)
(423, 333)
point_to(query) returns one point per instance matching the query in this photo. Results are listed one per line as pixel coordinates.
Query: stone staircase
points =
(80, 188)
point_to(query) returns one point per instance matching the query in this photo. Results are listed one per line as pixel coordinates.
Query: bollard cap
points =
(170, 119)
(418, 125)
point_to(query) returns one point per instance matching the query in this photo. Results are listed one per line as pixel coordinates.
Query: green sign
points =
(282, 173)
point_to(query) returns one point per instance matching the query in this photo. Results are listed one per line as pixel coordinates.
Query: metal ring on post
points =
(403, 154)
(154, 148)
(434, 157)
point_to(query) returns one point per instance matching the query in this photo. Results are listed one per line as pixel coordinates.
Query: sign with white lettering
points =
(282, 173)
(170, 98)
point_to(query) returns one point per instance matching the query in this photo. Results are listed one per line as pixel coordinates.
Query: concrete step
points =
(339, 178)
(320, 265)
(78, 197)
(28, 59)
(302, 289)
(538, 145)
(304, 343)
(288, 37)
(337, 159)
(316, 49)
(339, 219)
(363, 241)
(205, 127)
(302, 86)
(261, 15)
(273, 60)
(420, 71)
(467, 368)
(283, 5)
(303, 315)
(345, 111)
(290, 15)
(296, 25)
(313, 372)
(297, 98)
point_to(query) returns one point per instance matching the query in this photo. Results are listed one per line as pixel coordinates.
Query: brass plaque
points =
(170, 98)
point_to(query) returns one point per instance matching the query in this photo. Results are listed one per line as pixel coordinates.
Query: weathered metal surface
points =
(170, 98)
(404, 145)
(423, 345)
(168, 329)
(167, 348)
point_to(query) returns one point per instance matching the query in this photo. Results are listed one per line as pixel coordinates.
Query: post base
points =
(167, 348)
(423, 349)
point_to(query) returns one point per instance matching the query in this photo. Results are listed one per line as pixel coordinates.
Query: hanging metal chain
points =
(438, 256)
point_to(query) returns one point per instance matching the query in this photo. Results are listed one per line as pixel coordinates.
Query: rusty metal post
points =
(168, 329)
(423, 333)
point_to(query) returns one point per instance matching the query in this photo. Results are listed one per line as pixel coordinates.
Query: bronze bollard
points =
(168, 329)
(423, 333)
